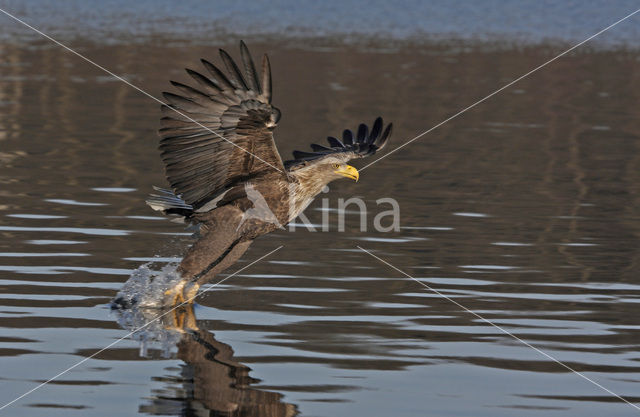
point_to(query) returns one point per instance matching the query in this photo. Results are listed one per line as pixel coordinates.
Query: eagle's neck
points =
(306, 183)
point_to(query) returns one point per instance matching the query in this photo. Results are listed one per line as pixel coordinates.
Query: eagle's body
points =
(225, 171)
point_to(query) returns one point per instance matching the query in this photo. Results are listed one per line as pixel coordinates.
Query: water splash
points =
(139, 308)
(145, 287)
(151, 327)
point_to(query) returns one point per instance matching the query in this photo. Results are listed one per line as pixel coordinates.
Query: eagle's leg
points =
(214, 252)
(219, 234)
(229, 258)
(184, 292)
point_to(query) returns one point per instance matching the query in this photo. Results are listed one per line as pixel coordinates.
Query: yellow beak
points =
(349, 172)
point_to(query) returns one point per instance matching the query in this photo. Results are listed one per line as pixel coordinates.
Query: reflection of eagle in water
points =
(211, 382)
(226, 173)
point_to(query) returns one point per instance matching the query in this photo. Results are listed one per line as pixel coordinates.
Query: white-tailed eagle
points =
(226, 173)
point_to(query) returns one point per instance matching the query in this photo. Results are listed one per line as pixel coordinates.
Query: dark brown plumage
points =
(225, 171)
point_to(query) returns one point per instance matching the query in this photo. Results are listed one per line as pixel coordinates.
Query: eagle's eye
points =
(335, 166)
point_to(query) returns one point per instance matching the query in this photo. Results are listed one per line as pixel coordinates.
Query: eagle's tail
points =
(169, 203)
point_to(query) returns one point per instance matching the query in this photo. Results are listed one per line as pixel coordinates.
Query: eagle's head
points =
(323, 164)
(312, 177)
(334, 167)
(315, 174)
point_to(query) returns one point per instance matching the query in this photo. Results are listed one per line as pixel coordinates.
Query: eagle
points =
(225, 172)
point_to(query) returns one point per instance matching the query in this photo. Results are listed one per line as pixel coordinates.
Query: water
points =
(307, 21)
(523, 209)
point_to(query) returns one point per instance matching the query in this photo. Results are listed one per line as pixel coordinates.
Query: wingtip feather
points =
(266, 78)
(249, 68)
(233, 70)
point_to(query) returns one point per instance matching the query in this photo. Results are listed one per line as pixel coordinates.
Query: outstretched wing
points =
(359, 145)
(220, 134)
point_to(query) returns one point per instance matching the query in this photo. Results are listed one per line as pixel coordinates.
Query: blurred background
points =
(524, 209)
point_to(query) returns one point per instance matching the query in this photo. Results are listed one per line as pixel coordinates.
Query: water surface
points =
(524, 210)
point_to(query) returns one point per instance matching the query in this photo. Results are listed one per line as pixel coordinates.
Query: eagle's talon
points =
(183, 292)
(174, 295)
